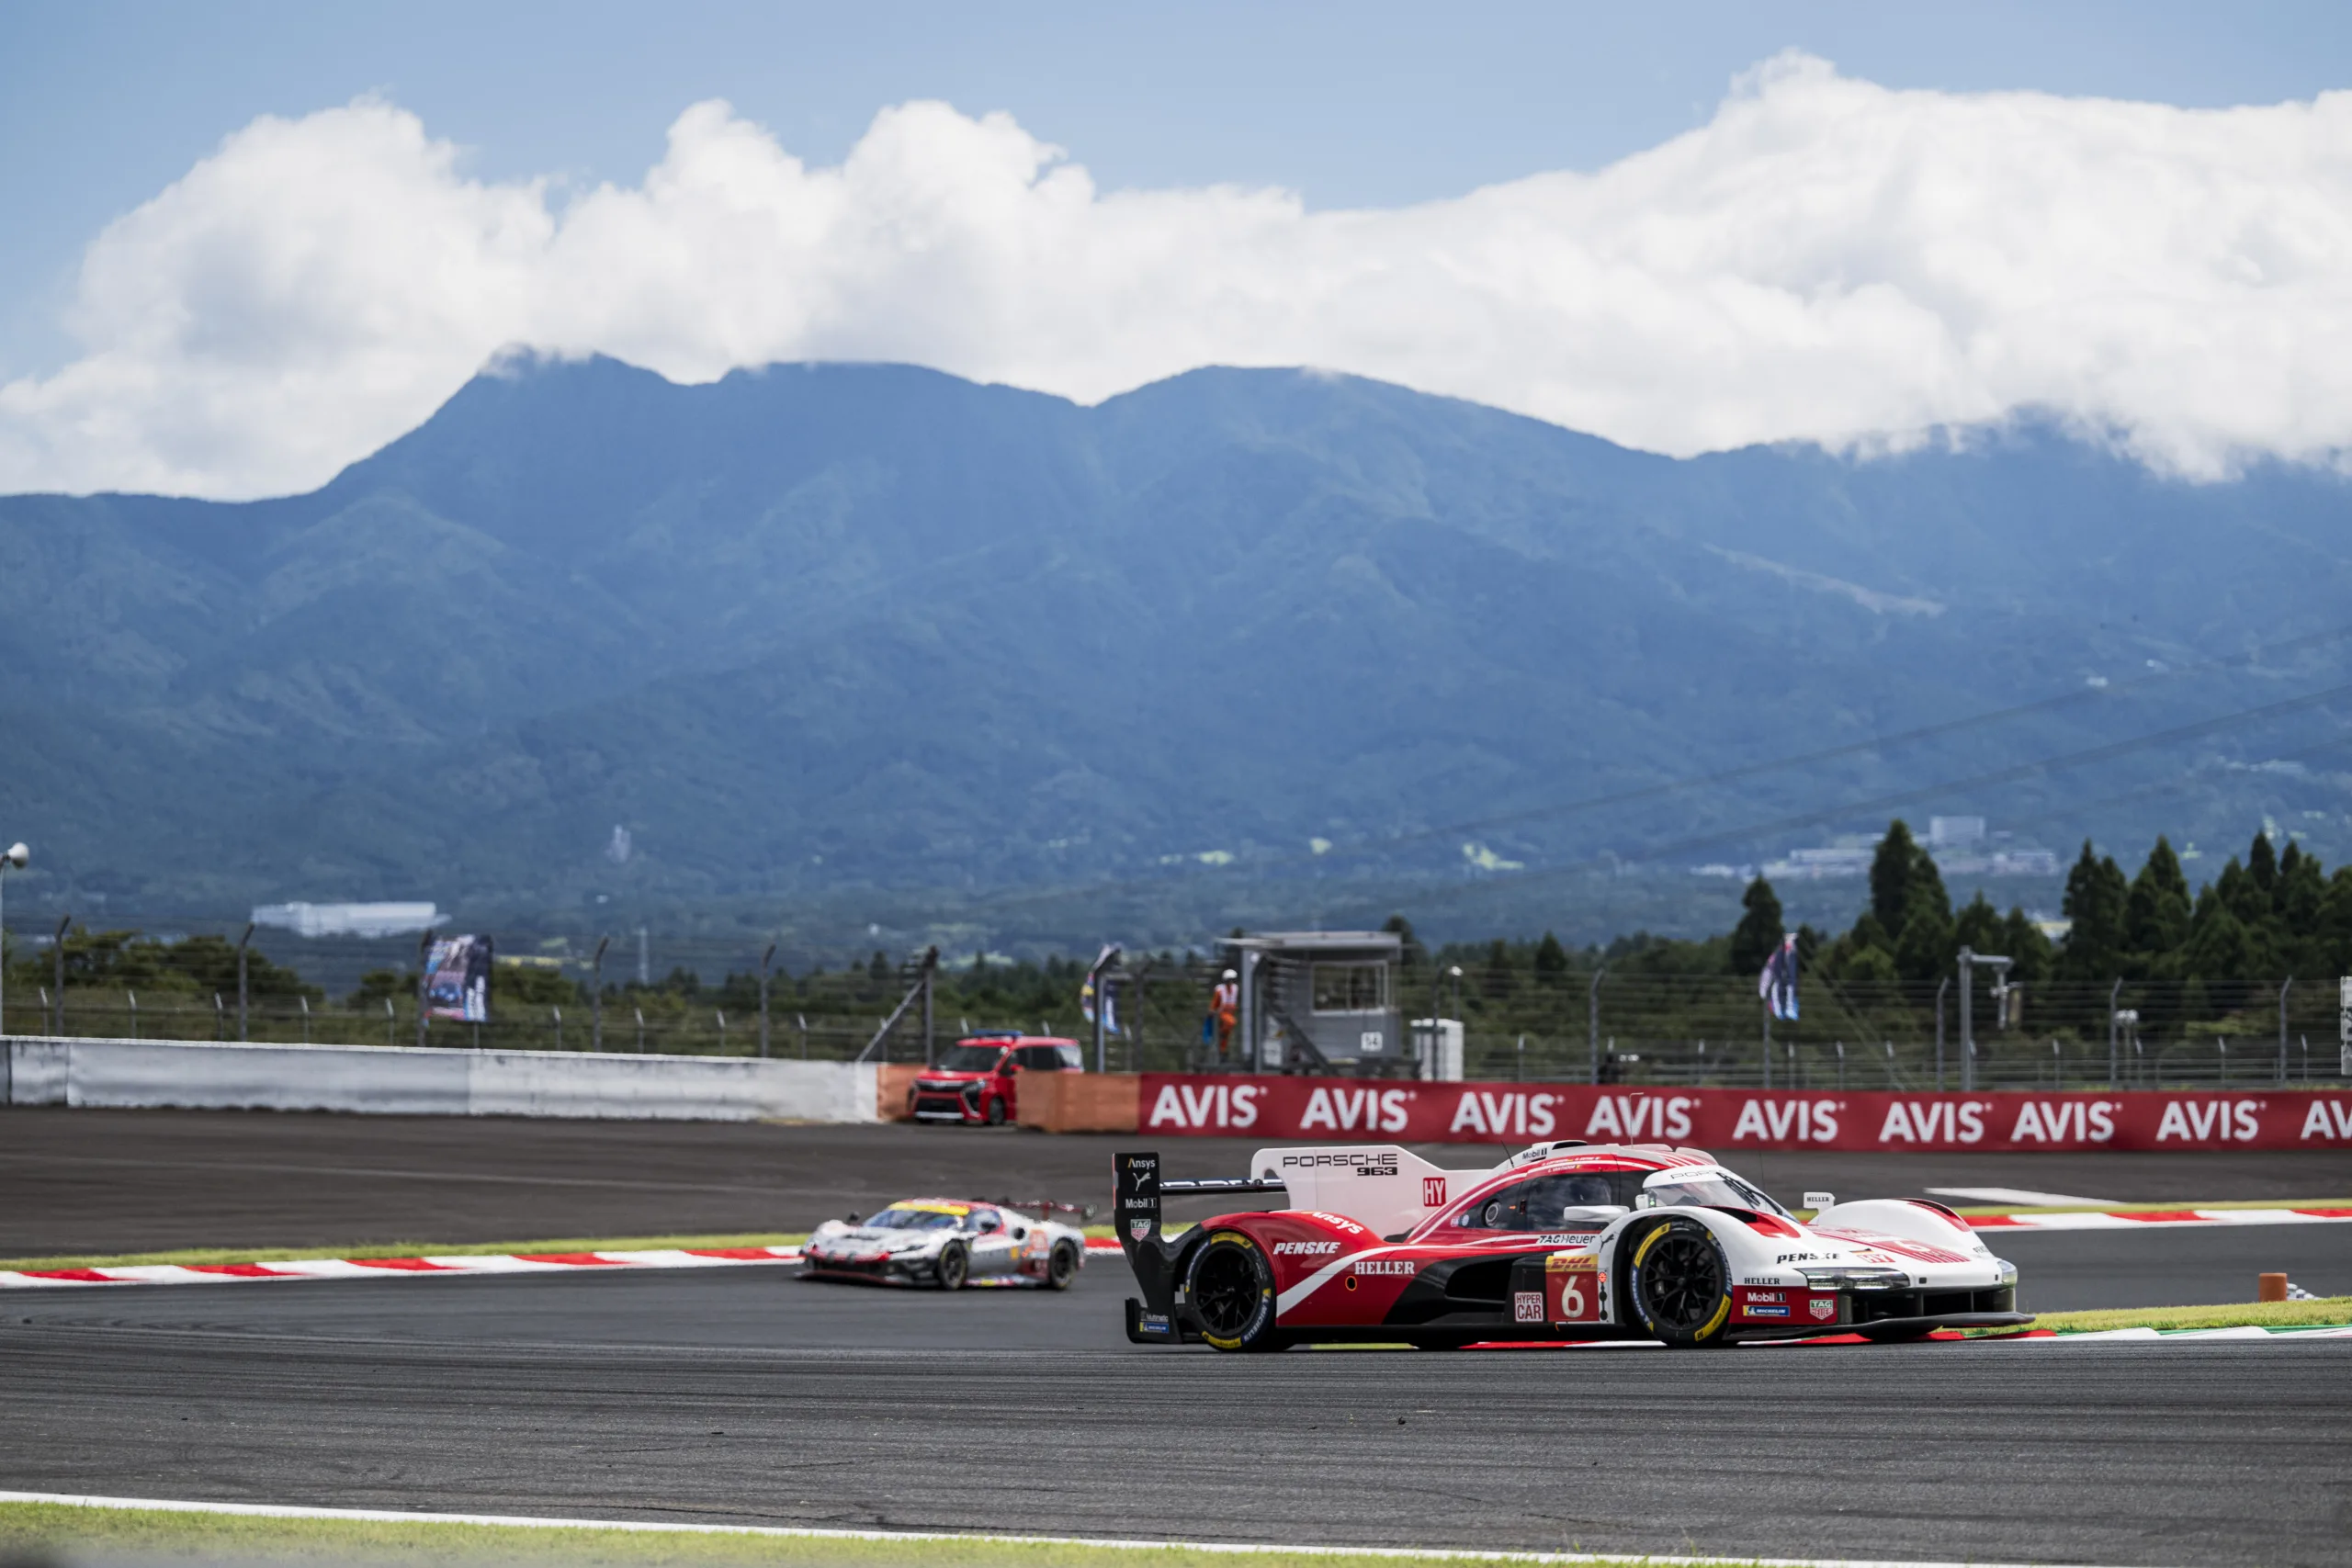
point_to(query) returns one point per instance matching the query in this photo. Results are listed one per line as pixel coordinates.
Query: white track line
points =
(665, 1526)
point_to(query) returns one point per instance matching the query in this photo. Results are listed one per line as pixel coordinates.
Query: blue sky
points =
(1378, 106)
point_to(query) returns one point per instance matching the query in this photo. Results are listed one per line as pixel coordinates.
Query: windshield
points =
(1546, 1203)
(970, 1058)
(1717, 1188)
(897, 1219)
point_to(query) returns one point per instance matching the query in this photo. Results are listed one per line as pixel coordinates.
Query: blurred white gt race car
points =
(948, 1244)
(1561, 1241)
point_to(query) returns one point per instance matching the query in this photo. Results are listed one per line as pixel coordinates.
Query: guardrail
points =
(428, 1080)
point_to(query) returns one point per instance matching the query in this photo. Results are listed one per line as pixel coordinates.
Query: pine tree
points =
(1551, 961)
(2022, 940)
(2097, 893)
(1892, 870)
(2261, 863)
(1923, 952)
(1497, 981)
(1757, 935)
(2155, 915)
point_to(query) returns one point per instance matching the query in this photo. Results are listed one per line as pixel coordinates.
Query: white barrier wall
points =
(398, 1080)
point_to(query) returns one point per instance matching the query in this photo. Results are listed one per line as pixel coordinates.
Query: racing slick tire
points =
(1061, 1266)
(1229, 1286)
(995, 1114)
(955, 1265)
(1681, 1283)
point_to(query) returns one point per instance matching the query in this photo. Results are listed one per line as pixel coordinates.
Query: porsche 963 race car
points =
(1564, 1240)
(948, 1244)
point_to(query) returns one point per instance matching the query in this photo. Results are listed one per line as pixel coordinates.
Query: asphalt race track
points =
(751, 1396)
(110, 1181)
(747, 1395)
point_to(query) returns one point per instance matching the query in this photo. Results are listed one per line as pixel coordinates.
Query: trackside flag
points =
(1100, 990)
(456, 983)
(1777, 983)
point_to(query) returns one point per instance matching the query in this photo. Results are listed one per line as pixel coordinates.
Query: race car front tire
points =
(1681, 1283)
(996, 1113)
(1230, 1288)
(1061, 1267)
(955, 1265)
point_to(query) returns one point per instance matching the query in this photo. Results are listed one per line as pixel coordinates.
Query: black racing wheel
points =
(1681, 1283)
(955, 1265)
(1230, 1288)
(1061, 1267)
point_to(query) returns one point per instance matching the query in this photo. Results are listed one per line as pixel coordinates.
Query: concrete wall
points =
(397, 1080)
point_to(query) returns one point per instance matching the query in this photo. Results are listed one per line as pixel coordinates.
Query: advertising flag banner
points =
(457, 979)
(1777, 983)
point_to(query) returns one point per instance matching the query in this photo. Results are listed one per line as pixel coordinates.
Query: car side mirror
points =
(1644, 1200)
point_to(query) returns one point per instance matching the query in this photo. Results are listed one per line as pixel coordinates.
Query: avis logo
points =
(1189, 1108)
(1636, 1118)
(1787, 1120)
(1432, 1191)
(2203, 1121)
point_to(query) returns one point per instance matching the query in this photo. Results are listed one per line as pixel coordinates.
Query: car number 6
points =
(1572, 1300)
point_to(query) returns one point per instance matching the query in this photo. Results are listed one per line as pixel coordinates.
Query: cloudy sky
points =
(248, 243)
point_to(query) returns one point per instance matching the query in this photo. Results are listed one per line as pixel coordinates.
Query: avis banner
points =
(457, 979)
(1332, 1111)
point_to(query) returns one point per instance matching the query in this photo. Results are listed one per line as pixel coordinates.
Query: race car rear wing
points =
(1139, 1186)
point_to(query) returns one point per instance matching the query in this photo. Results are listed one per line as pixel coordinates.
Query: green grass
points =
(27, 1530)
(2328, 1312)
(402, 1249)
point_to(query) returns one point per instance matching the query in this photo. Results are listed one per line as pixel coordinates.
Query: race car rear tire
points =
(1681, 1283)
(955, 1265)
(1229, 1286)
(1061, 1267)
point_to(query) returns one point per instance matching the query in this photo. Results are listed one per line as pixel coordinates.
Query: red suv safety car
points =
(974, 1078)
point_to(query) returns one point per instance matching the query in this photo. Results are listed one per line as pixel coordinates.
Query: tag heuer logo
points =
(1139, 1228)
(1822, 1311)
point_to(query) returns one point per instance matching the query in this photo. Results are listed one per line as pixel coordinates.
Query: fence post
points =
(558, 1025)
(424, 976)
(1593, 1019)
(1941, 986)
(134, 1024)
(765, 959)
(641, 1029)
(2282, 1027)
(2113, 995)
(57, 952)
(596, 997)
(244, 993)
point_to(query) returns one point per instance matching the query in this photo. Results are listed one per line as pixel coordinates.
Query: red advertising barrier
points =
(1349, 1110)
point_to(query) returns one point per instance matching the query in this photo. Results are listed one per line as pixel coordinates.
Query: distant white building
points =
(347, 920)
(1954, 832)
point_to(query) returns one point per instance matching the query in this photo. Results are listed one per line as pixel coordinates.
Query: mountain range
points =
(843, 645)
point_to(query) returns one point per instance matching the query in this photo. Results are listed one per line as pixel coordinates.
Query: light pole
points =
(12, 861)
(1968, 959)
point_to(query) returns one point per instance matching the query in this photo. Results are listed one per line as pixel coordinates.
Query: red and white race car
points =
(1562, 1241)
(949, 1244)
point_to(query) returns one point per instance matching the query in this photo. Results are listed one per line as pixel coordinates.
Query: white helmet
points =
(1229, 975)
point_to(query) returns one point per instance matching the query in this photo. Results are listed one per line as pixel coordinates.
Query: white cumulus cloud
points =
(1824, 260)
